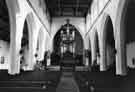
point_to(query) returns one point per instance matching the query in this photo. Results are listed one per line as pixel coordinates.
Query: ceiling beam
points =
(77, 5)
(69, 6)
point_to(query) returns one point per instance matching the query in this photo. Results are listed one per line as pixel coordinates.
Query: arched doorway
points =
(24, 46)
(128, 27)
(109, 44)
(71, 48)
(4, 34)
(96, 52)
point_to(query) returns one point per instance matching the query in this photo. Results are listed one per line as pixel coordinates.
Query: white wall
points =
(130, 54)
(110, 55)
(4, 52)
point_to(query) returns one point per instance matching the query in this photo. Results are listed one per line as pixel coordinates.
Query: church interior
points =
(67, 45)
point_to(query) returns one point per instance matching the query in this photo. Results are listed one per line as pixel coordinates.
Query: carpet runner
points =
(67, 83)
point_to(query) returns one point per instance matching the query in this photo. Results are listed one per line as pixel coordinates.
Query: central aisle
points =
(67, 83)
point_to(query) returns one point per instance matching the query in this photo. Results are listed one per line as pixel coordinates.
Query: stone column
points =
(48, 58)
(41, 50)
(103, 61)
(93, 51)
(87, 60)
(121, 64)
(15, 44)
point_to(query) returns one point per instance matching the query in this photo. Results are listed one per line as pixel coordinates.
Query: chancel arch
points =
(68, 42)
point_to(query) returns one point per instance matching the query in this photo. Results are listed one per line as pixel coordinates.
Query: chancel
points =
(67, 45)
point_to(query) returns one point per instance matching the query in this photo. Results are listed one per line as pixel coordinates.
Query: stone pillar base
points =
(27, 68)
(103, 68)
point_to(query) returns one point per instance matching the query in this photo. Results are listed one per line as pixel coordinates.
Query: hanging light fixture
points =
(67, 27)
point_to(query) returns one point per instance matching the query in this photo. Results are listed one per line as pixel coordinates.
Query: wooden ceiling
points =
(73, 8)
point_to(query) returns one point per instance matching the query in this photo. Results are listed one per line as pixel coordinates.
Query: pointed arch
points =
(108, 45)
(79, 47)
(29, 49)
